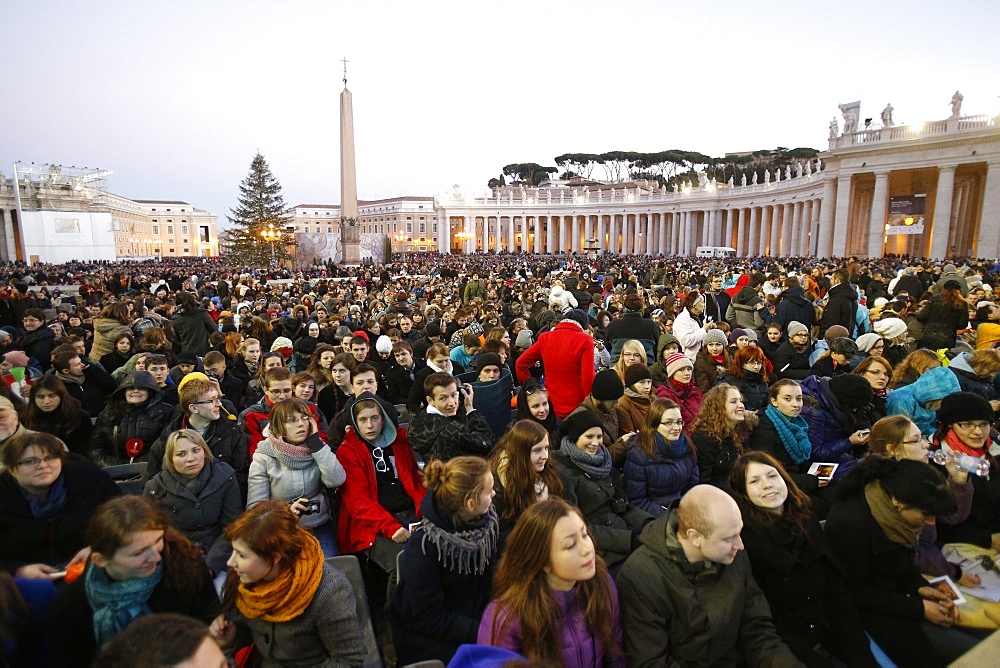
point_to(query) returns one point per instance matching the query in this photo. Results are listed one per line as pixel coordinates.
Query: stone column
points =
(727, 237)
(661, 245)
(628, 231)
(601, 232)
(841, 215)
(536, 228)
(574, 244)
(741, 228)
(876, 222)
(988, 243)
(682, 233)
(802, 249)
(795, 229)
(764, 242)
(443, 232)
(774, 242)
(827, 219)
(752, 237)
(942, 212)
(550, 234)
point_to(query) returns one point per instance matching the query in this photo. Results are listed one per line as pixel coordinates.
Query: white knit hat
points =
(890, 328)
(868, 341)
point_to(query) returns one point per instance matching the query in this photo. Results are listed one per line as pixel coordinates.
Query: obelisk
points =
(350, 232)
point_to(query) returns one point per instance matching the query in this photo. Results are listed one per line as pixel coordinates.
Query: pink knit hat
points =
(676, 362)
(16, 358)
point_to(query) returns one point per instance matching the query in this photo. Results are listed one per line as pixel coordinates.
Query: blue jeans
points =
(327, 537)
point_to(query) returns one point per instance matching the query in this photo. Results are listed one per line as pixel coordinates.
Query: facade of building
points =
(58, 214)
(408, 221)
(944, 178)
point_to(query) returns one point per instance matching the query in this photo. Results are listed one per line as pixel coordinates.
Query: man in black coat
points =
(841, 305)
(632, 326)
(793, 306)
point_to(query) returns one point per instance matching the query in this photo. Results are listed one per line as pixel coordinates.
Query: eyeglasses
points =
(973, 426)
(537, 388)
(632, 356)
(298, 420)
(876, 373)
(35, 462)
(753, 363)
(208, 402)
(672, 423)
(380, 464)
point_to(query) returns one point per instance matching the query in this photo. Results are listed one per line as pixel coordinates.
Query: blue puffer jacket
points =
(653, 483)
(831, 442)
(912, 399)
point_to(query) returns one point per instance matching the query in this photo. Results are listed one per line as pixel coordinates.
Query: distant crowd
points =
(546, 459)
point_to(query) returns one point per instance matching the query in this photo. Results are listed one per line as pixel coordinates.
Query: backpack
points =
(141, 324)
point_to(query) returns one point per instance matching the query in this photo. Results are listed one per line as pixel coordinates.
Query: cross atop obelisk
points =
(350, 237)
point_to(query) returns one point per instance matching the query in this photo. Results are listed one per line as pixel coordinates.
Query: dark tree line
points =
(663, 167)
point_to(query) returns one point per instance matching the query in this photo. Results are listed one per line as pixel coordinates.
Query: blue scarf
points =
(114, 603)
(55, 500)
(794, 434)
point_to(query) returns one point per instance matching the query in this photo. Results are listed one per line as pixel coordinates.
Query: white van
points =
(715, 251)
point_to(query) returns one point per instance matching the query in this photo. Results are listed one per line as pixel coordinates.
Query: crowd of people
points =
(565, 460)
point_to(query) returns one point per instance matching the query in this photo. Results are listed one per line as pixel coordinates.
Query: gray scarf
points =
(467, 552)
(293, 462)
(595, 466)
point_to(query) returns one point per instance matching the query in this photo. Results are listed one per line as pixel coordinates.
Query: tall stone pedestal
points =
(350, 239)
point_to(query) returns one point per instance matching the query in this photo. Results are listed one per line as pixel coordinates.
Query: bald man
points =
(688, 596)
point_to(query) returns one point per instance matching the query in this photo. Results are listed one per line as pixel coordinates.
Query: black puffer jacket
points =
(120, 422)
(201, 516)
(751, 385)
(793, 306)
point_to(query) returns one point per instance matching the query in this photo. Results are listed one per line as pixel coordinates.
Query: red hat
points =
(364, 335)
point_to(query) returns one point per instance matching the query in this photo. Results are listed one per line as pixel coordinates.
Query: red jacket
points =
(567, 355)
(361, 517)
(689, 401)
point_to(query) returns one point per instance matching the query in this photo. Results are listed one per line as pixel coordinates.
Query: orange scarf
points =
(288, 595)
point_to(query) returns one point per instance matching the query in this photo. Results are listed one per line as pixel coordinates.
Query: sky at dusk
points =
(176, 97)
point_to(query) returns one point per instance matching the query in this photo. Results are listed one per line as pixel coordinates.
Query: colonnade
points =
(772, 229)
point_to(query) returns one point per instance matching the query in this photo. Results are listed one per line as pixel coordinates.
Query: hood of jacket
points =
(934, 384)
(388, 435)
(141, 379)
(797, 295)
(961, 363)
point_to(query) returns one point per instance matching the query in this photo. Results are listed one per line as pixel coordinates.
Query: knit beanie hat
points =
(523, 339)
(578, 317)
(16, 358)
(607, 386)
(852, 391)
(751, 334)
(577, 423)
(890, 328)
(358, 332)
(194, 375)
(486, 359)
(868, 341)
(432, 329)
(715, 336)
(964, 407)
(635, 373)
(281, 342)
(794, 327)
(343, 331)
(383, 344)
(676, 362)
(737, 333)
(835, 332)
(844, 346)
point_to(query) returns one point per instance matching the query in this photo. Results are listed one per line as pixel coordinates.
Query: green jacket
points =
(680, 614)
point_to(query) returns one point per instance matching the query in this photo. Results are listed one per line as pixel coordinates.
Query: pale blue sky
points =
(176, 97)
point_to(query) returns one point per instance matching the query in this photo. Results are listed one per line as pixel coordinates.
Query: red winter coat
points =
(361, 517)
(567, 355)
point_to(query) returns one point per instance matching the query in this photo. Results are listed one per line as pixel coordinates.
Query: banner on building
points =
(906, 214)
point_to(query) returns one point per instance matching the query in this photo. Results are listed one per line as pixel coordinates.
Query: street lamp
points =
(271, 235)
(159, 248)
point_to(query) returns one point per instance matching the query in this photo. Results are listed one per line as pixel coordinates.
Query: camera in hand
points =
(311, 508)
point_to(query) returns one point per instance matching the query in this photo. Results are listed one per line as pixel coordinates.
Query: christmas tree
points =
(258, 236)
